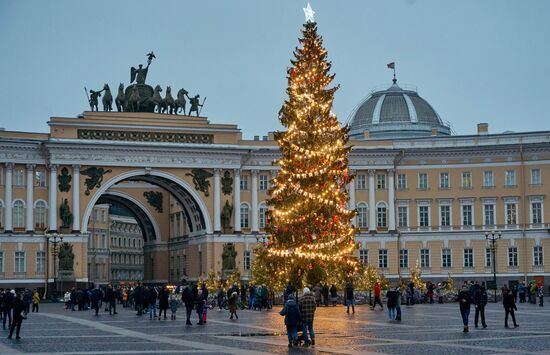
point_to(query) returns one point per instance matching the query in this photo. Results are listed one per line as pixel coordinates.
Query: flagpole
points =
(394, 78)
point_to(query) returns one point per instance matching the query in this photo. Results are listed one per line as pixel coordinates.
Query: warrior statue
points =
(228, 257)
(93, 99)
(226, 214)
(65, 214)
(66, 257)
(195, 104)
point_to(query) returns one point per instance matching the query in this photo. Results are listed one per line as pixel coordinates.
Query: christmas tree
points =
(309, 226)
(416, 277)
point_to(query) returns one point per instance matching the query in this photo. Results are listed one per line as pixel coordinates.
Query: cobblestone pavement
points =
(434, 329)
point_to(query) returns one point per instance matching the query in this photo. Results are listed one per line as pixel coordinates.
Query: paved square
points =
(434, 329)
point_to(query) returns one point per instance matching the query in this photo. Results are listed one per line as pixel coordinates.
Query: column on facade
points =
(76, 198)
(372, 203)
(52, 211)
(237, 201)
(217, 202)
(391, 199)
(351, 204)
(8, 198)
(255, 201)
(30, 210)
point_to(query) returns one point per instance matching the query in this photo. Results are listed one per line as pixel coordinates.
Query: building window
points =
(361, 182)
(466, 180)
(263, 215)
(536, 212)
(383, 258)
(19, 261)
(444, 180)
(535, 177)
(244, 215)
(403, 258)
(19, 177)
(467, 215)
(382, 212)
(423, 181)
(247, 259)
(488, 179)
(489, 214)
(488, 257)
(537, 256)
(445, 215)
(468, 257)
(264, 183)
(40, 262)
(424, 216)
(511, 213)
(40, 178)
(104, 216)
(512, 256)
(510, 178)
(401, 181)
(18, 214)
(244, 182)
(381, 182)
(363, 256)
(424, 257)
(40, 215)
(446, 258)
(362, 215)
(403, 216)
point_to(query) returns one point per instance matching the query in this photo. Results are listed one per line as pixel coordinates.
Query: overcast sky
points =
(474, 61)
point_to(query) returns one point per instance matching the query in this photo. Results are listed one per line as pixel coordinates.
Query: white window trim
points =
(536, 199)
(492, 178)
(451, 254)
(429, 257)
(511, 201)
(464, 257)
(366, 214)
(533, 250)
(427, 181)
(424, 204)
(385, 205)
(24, 261)
(406, 205)
(467, 202)
(540, 176)
(448, 180)
(248, 214)
(446, 202)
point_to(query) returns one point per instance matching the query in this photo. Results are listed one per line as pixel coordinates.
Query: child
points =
(204, 311)
(173, 306)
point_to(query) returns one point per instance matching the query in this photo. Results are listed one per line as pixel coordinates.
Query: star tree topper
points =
(309, 13)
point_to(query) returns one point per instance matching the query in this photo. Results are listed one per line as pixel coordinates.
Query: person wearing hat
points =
(232, 303)
(307, 305)
(292, 318)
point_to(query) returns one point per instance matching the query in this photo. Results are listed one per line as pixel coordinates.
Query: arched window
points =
(40, 215)
(18, 214)
(263, 211)
(362, 211)
(244, 215)
(382, 214)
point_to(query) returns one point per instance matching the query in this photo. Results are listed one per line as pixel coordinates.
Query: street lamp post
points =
(51, 238)
(493, 237)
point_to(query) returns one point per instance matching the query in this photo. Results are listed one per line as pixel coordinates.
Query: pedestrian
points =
(325, 292)
(232, 304)
(18, 309)
(173, 306)
(464, 301)
(110, 299)
(377, 296)
(8, 305)
(509, 307)
(317, 291)
(540, 294)
(243, 294)
(264, 297)
(96, 298)
(219, 298)
(430, 292)
(391, 303)
(333, 295)
(138, 298)
(188, 300)
(480, 301)
(1, 303)
(152, 300)
(533, 292)
(398, 305)
(350, 297)
(521, 292)
(27, 300)
(199, 306)
(307, 306)
(292, 318)
(251, 294)
(35, 300)
(163, 301)
(290, 289)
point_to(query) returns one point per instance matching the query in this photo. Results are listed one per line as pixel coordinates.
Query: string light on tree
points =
(309, 225)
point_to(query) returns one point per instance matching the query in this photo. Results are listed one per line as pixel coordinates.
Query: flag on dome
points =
(391, 65)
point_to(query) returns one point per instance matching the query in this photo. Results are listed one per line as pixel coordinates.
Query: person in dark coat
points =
(392, 303)
(350, 297)
(480, 301)
(232, 303)
(292, 318)
(464, 301)
(110, 299)
(251, 294)
(189, 301)
(96, 298)
(325, 293)
(290, 290)
(509, 307)
(334, 295)
(138, 298)
(163, 301)
(199, 305)
(152, 300)
(18, 309)
(8, 304)
(307, 304)
(27, 300)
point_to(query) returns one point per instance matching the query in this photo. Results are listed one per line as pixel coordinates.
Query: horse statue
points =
(120, 98)
(180, 101)
(169, 101)
(134, 101)
(157, 100)
(107, 99)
